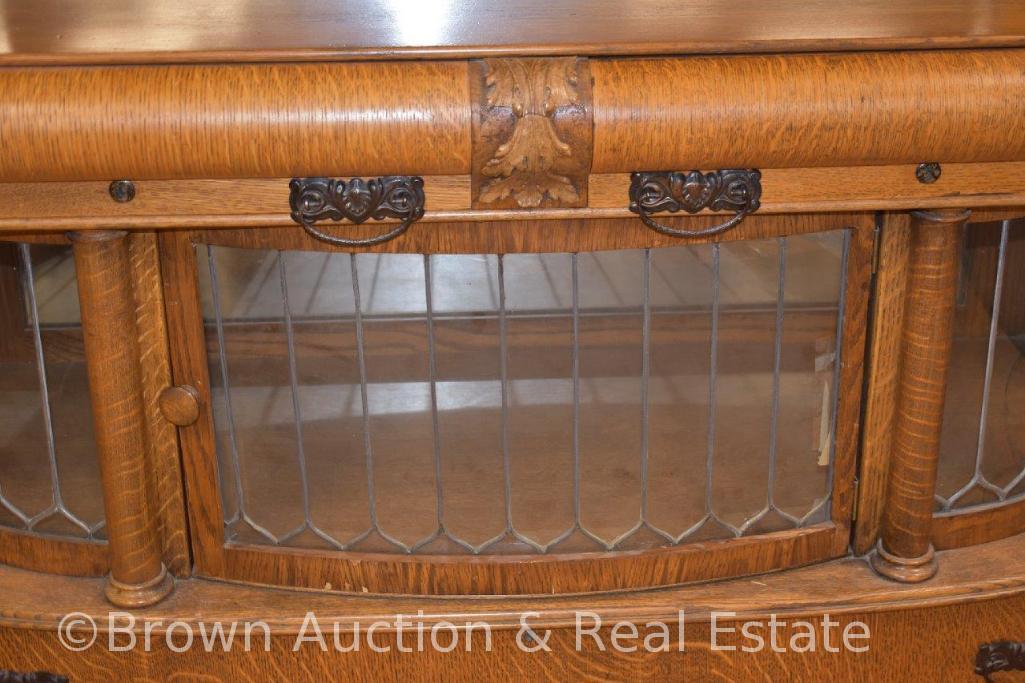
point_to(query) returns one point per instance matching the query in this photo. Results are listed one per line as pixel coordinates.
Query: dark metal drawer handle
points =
(655, 191)
(357, 200)
(7, 676)
(1002, 655)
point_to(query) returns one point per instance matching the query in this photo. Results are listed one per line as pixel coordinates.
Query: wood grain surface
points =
(189, 366)
(144, 31)
(857, 188)
(52, 555)
(552, 236)
(925, 349)
(946, 640)
(103, 270)
(528, 149)
(808, 110)
(452, 575)
(887, 322)
(220, 121)
(13, 346)
(977, 597)
(847, 429)
(403, 118)
(991, 570)
(258, 203)
(163, 466)
(980, 525)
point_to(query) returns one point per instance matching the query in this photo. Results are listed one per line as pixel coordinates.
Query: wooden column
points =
(904, 552)
(137, 575)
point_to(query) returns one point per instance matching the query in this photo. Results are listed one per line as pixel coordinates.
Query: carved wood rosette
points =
(532, 130)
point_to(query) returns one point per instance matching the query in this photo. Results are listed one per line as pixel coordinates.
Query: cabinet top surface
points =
(182, 31)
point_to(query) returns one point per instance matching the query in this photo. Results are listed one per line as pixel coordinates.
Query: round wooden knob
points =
(180, 405)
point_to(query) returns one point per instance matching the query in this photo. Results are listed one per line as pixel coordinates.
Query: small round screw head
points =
(928, 172)
(122, 191)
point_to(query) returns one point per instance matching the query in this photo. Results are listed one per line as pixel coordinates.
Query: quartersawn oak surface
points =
(993, 570)
(149, 31)
(975, 598)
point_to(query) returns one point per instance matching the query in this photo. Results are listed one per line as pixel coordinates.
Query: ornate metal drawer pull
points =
(313, 199)
(737, 189)
(1002, 655)
(7, 676)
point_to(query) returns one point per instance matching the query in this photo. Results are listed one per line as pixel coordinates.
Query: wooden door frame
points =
(522, 574)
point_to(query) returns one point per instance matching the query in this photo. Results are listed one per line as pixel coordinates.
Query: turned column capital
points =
(956, 216)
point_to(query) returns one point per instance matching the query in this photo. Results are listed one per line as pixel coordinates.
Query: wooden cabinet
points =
(615, 317)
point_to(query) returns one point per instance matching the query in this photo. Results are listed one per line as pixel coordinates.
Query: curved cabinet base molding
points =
(979, 598)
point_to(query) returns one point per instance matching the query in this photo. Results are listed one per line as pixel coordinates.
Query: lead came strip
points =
(645, 386)
(503, 362)
(713, 378)
(432, 378)
(293, 378)
(367, 445)
(991, 344)
(57, 506)
(837, 366)
(978, 477)
(777, 354)
(240, 514)
(576, 391)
